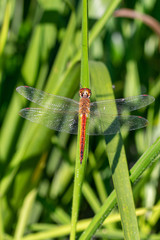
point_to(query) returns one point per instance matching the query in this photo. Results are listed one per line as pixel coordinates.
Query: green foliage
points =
(40, 47)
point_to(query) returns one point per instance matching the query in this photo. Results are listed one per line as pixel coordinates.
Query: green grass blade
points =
(24, 214)
(118, 235)
(80, 167)
(100, 186)
(102, 21)
(5, 27)
(152, 154)
(84, 60)
(116, 156)
(91, 197)
(60, 61)
(32, 58)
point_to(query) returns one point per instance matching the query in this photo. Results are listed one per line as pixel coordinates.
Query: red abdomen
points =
(82, 136)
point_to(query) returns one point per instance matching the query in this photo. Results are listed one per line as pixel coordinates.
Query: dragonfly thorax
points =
(84, 106)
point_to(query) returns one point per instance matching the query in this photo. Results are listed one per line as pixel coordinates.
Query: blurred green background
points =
(40, 43)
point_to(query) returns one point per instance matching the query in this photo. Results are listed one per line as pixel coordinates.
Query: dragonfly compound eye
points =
(85, 92)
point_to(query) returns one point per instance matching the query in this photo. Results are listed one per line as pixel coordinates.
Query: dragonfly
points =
(63, 114)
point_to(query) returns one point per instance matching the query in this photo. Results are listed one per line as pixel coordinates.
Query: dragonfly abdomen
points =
(84, 110)
(82, 136)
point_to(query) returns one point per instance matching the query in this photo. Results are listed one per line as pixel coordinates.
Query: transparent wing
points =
(111, 124)
(122, 104)
(106, 125)
(52, 119)
(48, 100)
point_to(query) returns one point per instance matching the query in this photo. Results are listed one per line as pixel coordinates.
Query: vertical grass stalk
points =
(84, 58)
(84, 82)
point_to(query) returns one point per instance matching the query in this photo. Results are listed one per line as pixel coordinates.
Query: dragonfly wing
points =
(52, 119)
(122, 104)
(48, 100)
(111, 124)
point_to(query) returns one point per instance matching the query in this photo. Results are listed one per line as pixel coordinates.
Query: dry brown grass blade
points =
(148, 20)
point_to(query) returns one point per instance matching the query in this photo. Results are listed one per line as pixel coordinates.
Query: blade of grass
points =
(24, 214)
(118, 235)
(58, 184)
(149, 156)
(100, 186)
(5, 26)
(91, 197)
(102, 21)
(116, 156)
(84, 58)
(80, 167)
(61, 58)
(32, 58)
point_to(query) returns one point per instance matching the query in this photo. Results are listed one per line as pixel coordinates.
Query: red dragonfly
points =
(62, 114)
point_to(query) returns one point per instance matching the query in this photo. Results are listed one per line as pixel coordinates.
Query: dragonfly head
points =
(85, 93)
